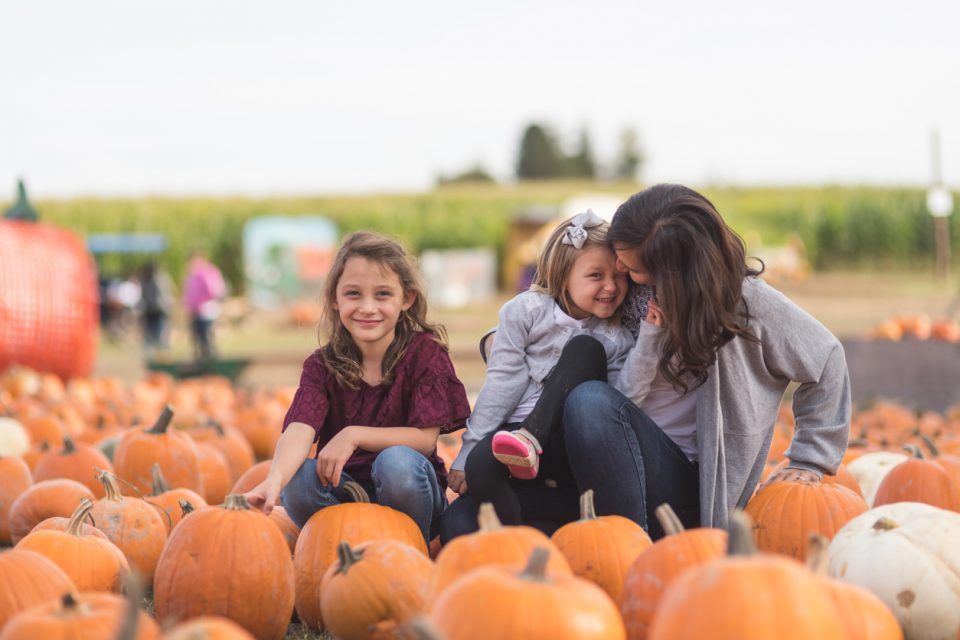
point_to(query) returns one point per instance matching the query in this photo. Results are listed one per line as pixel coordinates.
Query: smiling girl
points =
(561, 332)
(374, 398)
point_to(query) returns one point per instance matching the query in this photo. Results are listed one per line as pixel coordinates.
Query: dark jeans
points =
(631, 465)
(155, 329)
(202, 331)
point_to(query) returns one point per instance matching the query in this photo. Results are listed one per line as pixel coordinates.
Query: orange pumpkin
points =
(28, 579)
(494, 543)
(788, 511)
(139, 449)
(601, 549)
(655, 569)
(208, 628)
(353, 522)
(168, 500)
(87, 616)
(93, 563)
(215, 472)
(379, 585)
(197, 573)
(842, 476)
(15, 478)
(526, 603)
(133, 524)
(78, 462)
(252, 477)
(746, 595)
(288, 527)
(44, 500)
(231, 443)
(918, 480)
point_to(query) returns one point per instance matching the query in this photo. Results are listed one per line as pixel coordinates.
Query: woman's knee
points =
(587, 400)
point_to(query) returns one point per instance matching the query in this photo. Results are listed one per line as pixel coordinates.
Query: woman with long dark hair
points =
(692, 422)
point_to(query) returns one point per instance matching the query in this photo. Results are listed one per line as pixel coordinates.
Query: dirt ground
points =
(848, 304)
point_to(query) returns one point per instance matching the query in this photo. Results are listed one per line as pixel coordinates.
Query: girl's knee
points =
(584, 346)
(398, 461)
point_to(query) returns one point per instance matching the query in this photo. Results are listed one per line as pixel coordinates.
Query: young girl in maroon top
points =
(375, 397)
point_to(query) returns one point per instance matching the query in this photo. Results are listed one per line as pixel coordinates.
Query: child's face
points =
(627, 263)
(369, 302)
(595, 285)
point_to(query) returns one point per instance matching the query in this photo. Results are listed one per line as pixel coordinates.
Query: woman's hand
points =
(655, 314)
(334, 456)
(792, 475)
(457, 481)
(264, 495)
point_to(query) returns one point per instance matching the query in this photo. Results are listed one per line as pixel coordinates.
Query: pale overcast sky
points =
(116, 97)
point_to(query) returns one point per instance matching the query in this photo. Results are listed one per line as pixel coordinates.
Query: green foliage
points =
(540, 157)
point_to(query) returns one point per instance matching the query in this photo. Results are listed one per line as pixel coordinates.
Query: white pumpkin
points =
(14, 440)
(908, 554)
(870, 469)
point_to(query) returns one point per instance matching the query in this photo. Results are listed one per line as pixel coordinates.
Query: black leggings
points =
(488, 480)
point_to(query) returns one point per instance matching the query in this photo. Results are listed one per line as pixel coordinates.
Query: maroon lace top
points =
(425, 392)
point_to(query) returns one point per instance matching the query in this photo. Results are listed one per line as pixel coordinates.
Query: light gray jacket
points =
(738, 404)
(525, 349)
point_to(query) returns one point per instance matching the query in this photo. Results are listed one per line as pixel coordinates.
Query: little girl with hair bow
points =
(563, 331)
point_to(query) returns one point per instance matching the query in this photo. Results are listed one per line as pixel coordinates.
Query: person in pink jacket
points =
(203, 289)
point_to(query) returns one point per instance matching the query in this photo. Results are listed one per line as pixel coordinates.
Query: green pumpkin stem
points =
(818, 559)
(186, 507)
(347, 556)
(536, 569)
(68, 445)
(669, 520)
(884, 524)
(740, 540)
(163, 422)
(587, 509)
(159, 482)
(68, 601)
(928, 443)
(914, 451)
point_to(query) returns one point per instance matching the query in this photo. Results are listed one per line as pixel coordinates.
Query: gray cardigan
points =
(526, 347)
(738, 404)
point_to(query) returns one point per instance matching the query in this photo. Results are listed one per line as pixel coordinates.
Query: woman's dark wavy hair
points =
(698, 264)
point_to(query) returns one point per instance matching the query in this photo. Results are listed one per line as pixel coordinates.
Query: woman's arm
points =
(639, 370)
(293, 447)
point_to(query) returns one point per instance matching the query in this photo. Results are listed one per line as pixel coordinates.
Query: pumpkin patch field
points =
(122, 515)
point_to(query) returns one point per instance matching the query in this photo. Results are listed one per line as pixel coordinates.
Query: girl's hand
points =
(793, 475)
(264, 495)
(655, 314)
(457, 481)
(334, 456)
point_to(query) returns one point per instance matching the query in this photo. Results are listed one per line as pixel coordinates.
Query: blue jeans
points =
(403, 479)
(629, 462)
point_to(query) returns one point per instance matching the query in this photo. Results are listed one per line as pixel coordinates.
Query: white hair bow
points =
(576, 233)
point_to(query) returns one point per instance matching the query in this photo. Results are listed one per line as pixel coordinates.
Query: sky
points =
(118, 98)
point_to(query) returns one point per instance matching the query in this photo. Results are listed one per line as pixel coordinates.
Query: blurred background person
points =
(156, 303)
(203, 290)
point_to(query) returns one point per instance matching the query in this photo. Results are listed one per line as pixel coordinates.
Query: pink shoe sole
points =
(520, 460)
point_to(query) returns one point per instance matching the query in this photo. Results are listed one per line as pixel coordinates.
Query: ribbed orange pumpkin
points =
(231, 443)
(208, 628)
(139, 449)
(169, 499)
(505, 602)
(28, 579)
(656, 568)
(198, 574)
(44, 500)
(376, 585)
(353, 522)
(864, 615)
(788, 511)
(287, 527)
(76, 461)
(87, 616)
(215, 472)
(252, 477)
(746, 595)
(15, 478)
(841, 477)
(133, 524)
(92, 563)
(601, 549)
(918, 480)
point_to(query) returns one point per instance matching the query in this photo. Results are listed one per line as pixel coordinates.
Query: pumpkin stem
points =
(818, 559)
(420, 628)
(186, 507)
(69, 602)
(134, 589)
(587, 509)
(75, 524)
(159, 483)
(740, 539)
(914, 451)
(357, 492)
(536, 569)
(110, 486)
(163, 422)
(347, 556)
(236, 502)
(885, 524)
(216, 426)
(68, 445)
(929, 444)
(487, 518)
(669, 519)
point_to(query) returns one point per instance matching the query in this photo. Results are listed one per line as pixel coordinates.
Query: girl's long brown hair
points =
(698, 264)
(341, 354)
